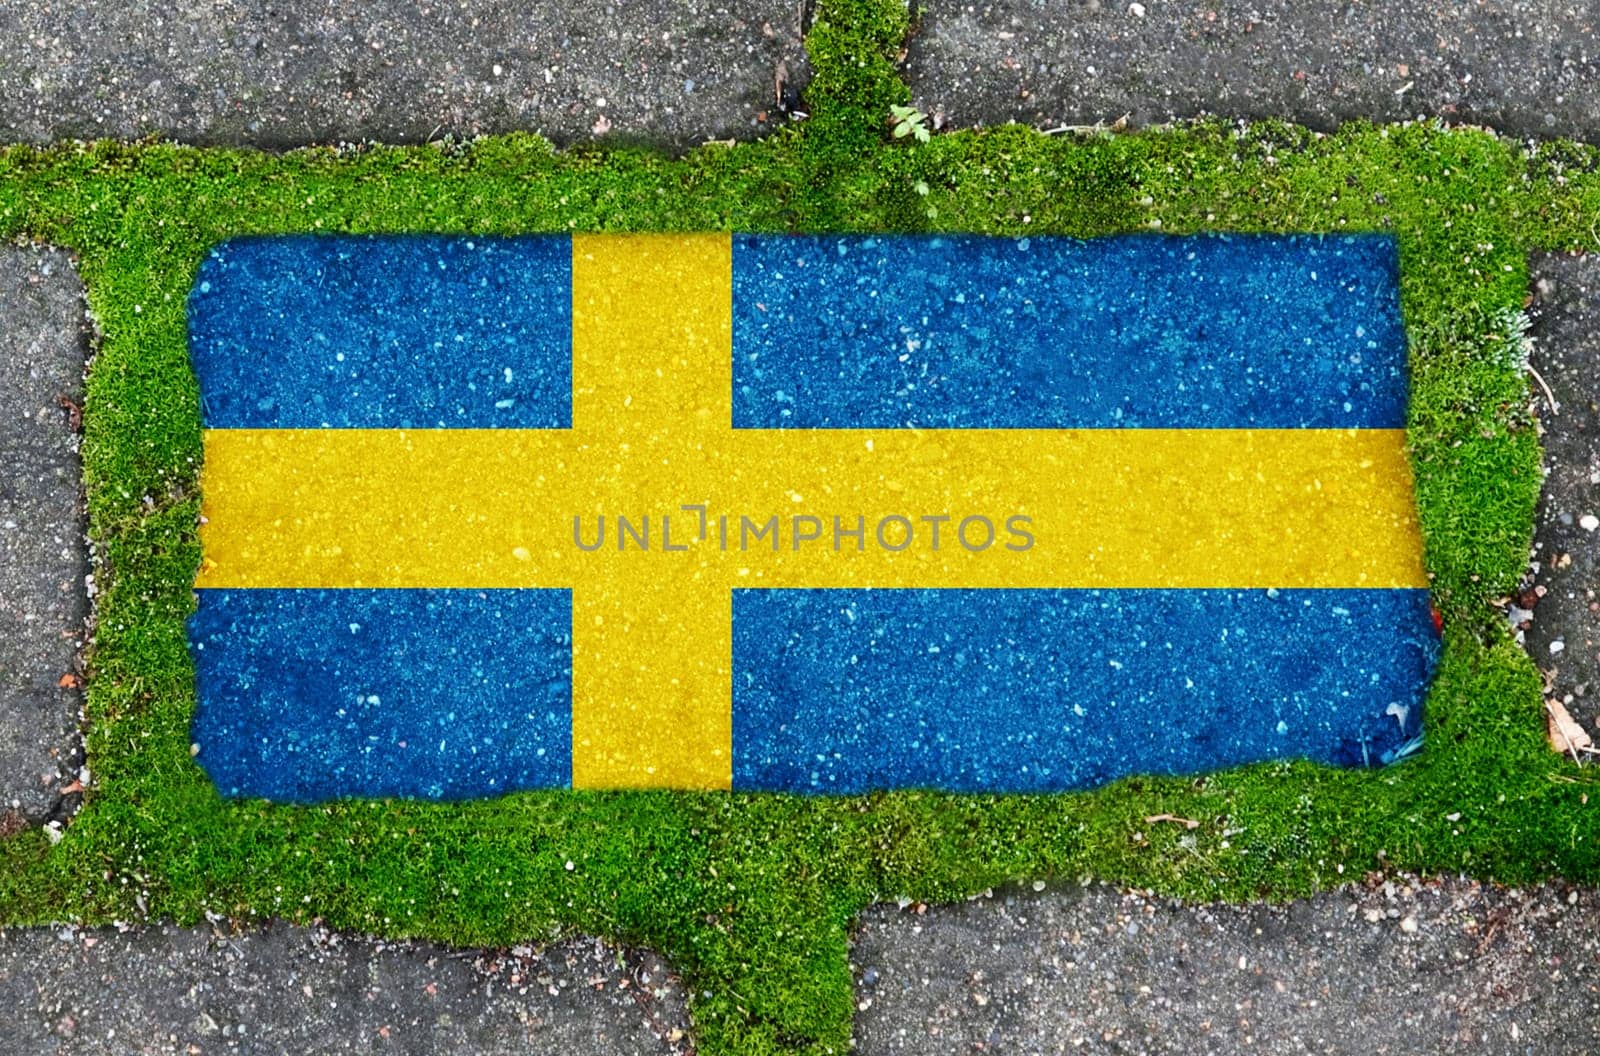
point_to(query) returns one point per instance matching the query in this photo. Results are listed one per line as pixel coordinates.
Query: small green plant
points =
(909, 121)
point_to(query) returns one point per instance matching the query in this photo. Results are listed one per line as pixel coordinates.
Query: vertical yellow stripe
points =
(652, 335)
(651, 639)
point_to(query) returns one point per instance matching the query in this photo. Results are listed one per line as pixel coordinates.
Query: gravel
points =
(1525, 68)
(1396, 965)
(43, 561)
(1560, 600)
(303, 991)
(250, 72)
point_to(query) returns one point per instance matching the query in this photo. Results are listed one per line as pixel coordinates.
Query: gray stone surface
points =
(672, 72)
(299, 991)
(1525, 68)
(1401, 967)
(1560, 605)
(43, 601)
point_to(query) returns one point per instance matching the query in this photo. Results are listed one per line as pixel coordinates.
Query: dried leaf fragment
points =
(1566, 736)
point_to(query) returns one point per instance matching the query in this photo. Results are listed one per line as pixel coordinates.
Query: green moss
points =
(752, 896)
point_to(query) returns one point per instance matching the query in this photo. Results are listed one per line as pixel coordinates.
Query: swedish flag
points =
(809, 514)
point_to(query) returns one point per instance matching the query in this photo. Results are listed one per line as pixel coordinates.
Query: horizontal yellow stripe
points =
(1108, 508)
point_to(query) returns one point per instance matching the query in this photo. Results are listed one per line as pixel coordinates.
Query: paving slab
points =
(43, 561)
(1396, 966)
(251, 72)
(1558, 609)
(384, 611)
(1524, 68)
(304, 991)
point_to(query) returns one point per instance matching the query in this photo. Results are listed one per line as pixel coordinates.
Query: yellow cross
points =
(652, 432)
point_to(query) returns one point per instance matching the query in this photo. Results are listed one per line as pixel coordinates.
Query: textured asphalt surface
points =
(298, 991)
(1524, 68)
(1400, 966)
(43, 602)
(252, 72)
(1560, 606)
